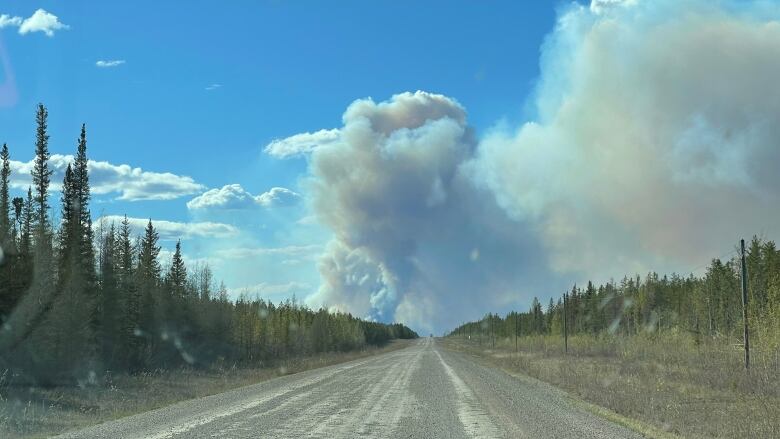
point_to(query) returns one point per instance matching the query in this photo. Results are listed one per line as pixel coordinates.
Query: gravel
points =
(422, 391)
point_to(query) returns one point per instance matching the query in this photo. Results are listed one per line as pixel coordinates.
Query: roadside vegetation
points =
(664, 350)
(94, 310)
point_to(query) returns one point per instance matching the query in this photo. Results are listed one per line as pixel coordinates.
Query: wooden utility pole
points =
(745, 304)
(565, 328)
(516, 317)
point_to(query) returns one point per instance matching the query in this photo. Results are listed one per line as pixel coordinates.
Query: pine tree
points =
(110, 306)
(148, 275)
(81, 206)
(148, 265)
(68, 227)
(71, 333)
(131, 300)
(177, 275)
(5, 174)
(41, 175)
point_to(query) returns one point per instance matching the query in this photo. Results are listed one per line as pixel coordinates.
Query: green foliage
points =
(74, 314)
(706, 306)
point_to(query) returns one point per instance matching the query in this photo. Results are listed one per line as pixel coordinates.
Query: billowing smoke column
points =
(412, 233)
(655, 146)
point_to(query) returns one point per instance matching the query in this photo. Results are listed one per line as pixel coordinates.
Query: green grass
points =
(41, 412)
(660, 384)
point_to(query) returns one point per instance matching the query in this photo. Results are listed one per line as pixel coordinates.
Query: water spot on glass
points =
(613, 327)
(474, 255)
(187, 357)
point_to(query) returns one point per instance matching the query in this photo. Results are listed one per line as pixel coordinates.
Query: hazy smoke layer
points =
(656, 144)
(655, 147)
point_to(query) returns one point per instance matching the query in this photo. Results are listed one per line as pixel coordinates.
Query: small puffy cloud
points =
(278, 197)
(602, 6)
(42, 21)
(234, 197)
(109, 63)
(213, 87)
(9, 21)
(171, 230)
(301, 144)
(131, 184)
(231, 196)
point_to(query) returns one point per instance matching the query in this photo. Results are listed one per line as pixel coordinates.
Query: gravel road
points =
(422, 391)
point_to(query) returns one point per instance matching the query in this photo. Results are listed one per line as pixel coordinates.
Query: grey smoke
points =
(654, 147)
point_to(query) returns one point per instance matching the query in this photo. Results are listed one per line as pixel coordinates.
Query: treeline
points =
(77, 301)
(710, 305)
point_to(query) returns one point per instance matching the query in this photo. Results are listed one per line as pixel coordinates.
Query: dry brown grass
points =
(667, 381)
(39, 412)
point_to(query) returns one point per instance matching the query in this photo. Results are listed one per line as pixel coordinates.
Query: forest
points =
(78, 301)
(706, 307)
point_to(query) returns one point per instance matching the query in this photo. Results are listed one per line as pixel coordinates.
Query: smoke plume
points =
(654, 146)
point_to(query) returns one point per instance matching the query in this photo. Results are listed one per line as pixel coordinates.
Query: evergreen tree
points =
(83, 218)
(7, 244)
(5, 207)
(177, 274)
(72, 333)
(41, 175)
(148, 275)
(131, 300)
(148, 265)
(111, 336)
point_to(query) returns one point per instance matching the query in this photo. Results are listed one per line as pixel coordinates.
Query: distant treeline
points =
(710, 305)
(77, 301)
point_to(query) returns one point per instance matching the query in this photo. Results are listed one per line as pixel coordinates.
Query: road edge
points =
(636, 425)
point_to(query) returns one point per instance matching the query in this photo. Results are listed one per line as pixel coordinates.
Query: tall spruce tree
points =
(81, 194)
(6, 241)
(177, 274)
(110, 306)
(131, 300)
(148, 275)
(5, 207)
(41, 175)
(71, 333)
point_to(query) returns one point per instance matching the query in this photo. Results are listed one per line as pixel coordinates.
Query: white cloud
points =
(290, 251)
(234, 197)
(8, 21)
(172, 230)
(213, 87)
(602, 6)
(278, 197)
(109, 63)
(42, 21)
(301, 144)
(131, 184)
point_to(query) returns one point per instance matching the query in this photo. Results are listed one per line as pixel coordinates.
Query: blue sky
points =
(279, 67)
(286, 144)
